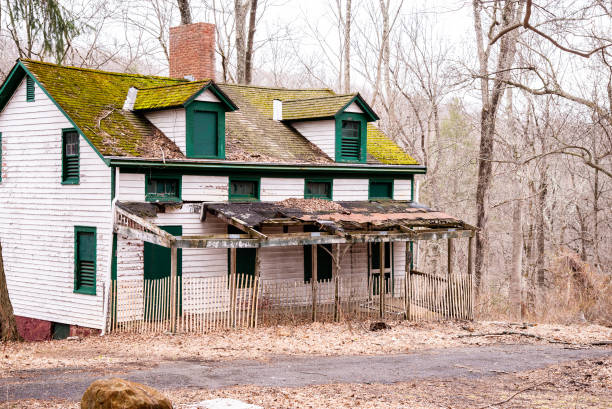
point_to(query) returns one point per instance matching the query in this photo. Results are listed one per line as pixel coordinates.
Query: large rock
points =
(121, 394)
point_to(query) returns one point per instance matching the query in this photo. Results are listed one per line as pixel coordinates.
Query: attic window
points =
(205, 130)
(350, 143)
(70, 157)
(29, 89)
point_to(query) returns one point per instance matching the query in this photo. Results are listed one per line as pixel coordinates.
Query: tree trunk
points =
(185, 11)
(516, 285)
(8, 325)
(541, 232)
(490, 104)
(248, 63)
(240, 10)
(347, 48)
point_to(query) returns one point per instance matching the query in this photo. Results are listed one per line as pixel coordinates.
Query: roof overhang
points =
(337, 223)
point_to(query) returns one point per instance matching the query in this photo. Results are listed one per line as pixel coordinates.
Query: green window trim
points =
(30, 91)
(342, 156)
(309, 195)
(242, 197)
(191, 111)
(374, 191)
(71, 153)
(152, 181)
(85, 261)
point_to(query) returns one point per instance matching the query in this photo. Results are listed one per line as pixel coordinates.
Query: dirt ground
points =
(579, 384)
(123, 351)
(582, 384)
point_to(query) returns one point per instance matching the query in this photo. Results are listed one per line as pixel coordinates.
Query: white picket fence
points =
(242, 301)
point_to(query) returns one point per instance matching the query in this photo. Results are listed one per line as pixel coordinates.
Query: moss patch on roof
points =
(381, 147)
(94, 99)
(168, 96)
(310, 108)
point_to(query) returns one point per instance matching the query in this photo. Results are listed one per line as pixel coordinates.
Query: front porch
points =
(342, 232)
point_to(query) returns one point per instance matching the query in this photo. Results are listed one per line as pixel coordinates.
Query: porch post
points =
(314, 280)
(407, 282)
(336, 250)
(255, 289)
(232, 285)
(173, 287)
(449, 277)
(470, 282)
(381, 280)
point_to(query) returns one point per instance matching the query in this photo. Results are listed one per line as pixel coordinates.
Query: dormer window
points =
(205, 130)
(350, 143)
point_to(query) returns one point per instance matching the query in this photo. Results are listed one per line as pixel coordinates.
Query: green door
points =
(205, 133)
(157, 264)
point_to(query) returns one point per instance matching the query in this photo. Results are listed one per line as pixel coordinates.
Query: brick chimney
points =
(192, 51)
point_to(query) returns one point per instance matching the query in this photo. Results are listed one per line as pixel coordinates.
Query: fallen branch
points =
(523, 334)
(516, 394)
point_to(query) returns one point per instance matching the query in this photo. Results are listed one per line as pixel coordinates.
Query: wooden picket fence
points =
(241, 301)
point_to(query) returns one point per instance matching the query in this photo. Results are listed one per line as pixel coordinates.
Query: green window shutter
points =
(318, 188)
(350, 143)
(70, 157)
(29, 89)
(205, 139)
(242, 188)
(381, 189)
(85, 260)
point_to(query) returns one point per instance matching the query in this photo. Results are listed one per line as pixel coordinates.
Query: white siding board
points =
(402, 189)
(354, 108)
(205, 188)
(131, 187)
(172, 123)
(322, 133)
(38, 214)
(350, 189)
(207, 96)
(277, 189)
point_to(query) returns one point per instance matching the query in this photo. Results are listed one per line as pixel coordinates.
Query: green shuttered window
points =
(85, 260)
(163, 188)
(70, 157)
(29, 89)
(244, 189)
(205, 131)
(318, 188)
(350, 143)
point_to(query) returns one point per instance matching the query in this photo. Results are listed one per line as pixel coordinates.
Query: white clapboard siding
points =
(350, 189)
(131, 187)
(399, 259)
(282, 263)
(277, 189)
(321, 133)
(204, 188)
(353, 108)
(38, 214)
(172, 123)
(207, 96)
(402, 189)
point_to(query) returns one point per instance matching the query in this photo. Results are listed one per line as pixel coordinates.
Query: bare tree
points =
(185, 10)
(491, 95)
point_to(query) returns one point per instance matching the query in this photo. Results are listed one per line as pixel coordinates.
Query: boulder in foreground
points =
(118, 393)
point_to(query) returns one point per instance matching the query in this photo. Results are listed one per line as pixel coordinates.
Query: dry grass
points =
(118, 352)
(583, 384)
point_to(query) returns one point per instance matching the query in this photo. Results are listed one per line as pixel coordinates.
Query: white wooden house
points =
(187, 154)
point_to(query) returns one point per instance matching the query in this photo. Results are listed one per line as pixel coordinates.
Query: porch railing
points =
(204, 304)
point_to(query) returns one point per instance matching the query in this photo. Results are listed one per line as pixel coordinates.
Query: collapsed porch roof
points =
(337, 222)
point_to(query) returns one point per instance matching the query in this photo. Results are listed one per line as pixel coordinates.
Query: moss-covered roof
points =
(319, 107)
(94, 99)
(167, 96)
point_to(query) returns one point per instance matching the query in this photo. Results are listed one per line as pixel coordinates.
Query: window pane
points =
(382, 190)
(163, 187)
(244, 188)
(318, 189)
(71, 142)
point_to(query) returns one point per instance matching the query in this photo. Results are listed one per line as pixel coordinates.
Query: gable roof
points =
(177, 95)
(92, 100)
(323, 107)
